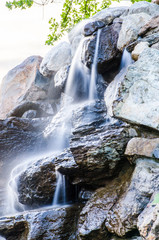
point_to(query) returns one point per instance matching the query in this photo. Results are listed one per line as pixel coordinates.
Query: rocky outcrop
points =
(43, 224)
(97, 142)
(20, 136)
(148, 220)
(19, 84)
(36, 185)
(57, 57)
(130, 29)
(108, 54)
(92, 27)
(98, 207)
(122, 218)
(58, 85)
(151, 27)
(143, 7)
(138, 92)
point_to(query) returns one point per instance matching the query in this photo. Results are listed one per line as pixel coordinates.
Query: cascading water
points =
(92, 87)
(60, 192)
(81, 85)
(112, 89)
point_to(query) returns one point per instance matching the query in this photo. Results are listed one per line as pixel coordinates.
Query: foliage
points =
(156, 199)
(73, 11)
(22, 4)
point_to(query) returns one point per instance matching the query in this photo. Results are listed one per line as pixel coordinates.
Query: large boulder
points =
(148, 220)
(106, 16)
(36, 184)
(137, 98)
(130, 29)
(93, 215)
(122, 218)
(108, 54)
(98, 142)
(143, 7)
(46, 224)
(57, 57)
(21, 83)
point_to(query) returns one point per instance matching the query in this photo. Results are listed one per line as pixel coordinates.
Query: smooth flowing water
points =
(81, 86)
(94, 73)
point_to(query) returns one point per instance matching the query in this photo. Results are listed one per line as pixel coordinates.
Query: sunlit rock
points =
(19, 84)
(142, 147)
(139, 48)
(57, 57)
(138, 95)
(143, 7)
(130, 28)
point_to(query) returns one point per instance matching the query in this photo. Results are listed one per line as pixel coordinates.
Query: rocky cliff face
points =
(107, 149)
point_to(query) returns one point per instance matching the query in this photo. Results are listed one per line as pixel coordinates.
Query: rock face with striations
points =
(139, 92)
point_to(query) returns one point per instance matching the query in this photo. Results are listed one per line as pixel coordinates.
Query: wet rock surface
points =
(46, 224)
(97, 142)
(36, 185)
(19, 136)
(108, 54)
(99, 205)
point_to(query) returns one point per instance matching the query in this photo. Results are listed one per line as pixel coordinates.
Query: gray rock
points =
(36, 184)
(41, 109)
(130, 29)
(46, 224)
(97, 142)
(148, 220)
(58, 85)
(91, 27)
(30, 114)
(107, 15)
(138, 99)
(57, 57)
(19, 84)
(151, 27)
(122, 218)
(143, 7)
(108, 54)
(94, 214)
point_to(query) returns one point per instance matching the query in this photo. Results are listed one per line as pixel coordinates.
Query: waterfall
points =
(92, 87)
(77, 85)
(60, 192)
(80, 86)
(112, 89)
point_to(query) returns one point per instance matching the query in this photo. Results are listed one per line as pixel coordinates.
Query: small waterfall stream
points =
(81, 85)
(92, 87)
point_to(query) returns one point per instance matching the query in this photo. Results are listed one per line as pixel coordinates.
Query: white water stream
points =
(81, 84)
